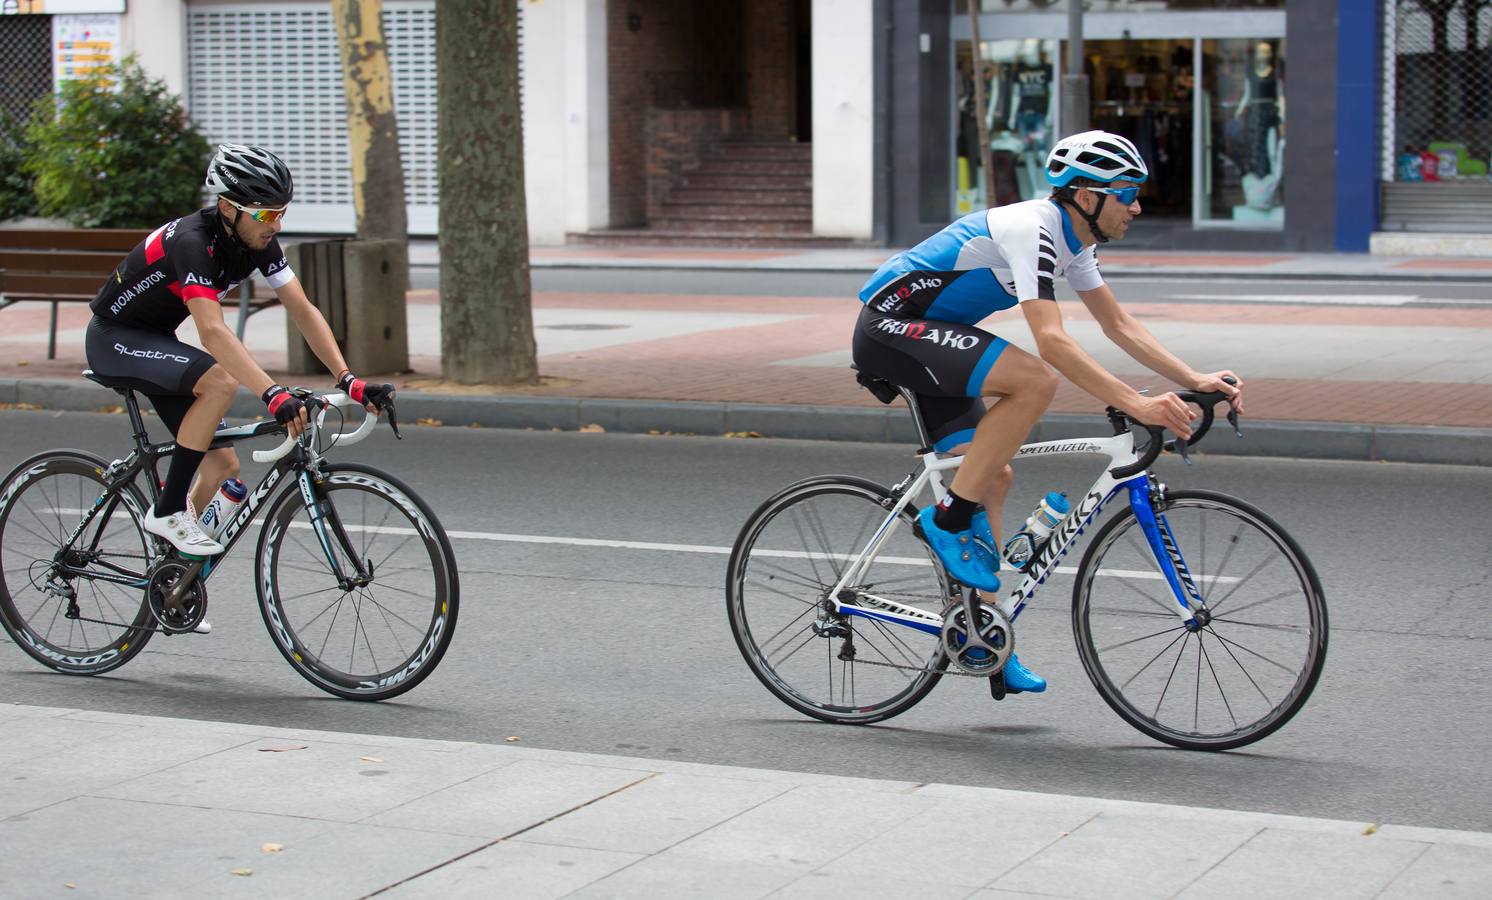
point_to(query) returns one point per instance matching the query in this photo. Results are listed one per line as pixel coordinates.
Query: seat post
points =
(137, 421)
(924, 439)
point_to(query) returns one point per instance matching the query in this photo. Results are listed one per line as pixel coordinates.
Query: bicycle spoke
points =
(1281, 666)
(781, 593)
(1153, 659)
(1215, 680)
(1172, 676)
(1244, 580)
(1232, 546)
(1137, 640)
(808, 548)
(1282, 595)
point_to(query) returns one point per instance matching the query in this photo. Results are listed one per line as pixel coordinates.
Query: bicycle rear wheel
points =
(790, 553)
(82, 612)
(366, 641)
(1247, 670)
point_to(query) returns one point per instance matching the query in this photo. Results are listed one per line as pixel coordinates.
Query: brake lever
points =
(393, 419)
(1233, 420)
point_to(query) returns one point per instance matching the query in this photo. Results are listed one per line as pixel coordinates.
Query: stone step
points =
(745, 182)
(734, 224)
(743, 196)
(658, 237)
(726, 212)
(754, 150)
(714, 165)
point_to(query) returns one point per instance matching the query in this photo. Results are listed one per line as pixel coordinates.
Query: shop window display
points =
(1020, 112)
(1244, 142)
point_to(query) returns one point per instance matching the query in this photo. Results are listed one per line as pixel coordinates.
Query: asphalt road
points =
(628, 651)
(1135, 288)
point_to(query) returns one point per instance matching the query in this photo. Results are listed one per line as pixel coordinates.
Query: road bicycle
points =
(1199, 620)
(355, 577)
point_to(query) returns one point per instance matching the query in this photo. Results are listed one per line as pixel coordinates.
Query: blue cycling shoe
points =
(1021, 680)
(960, 554)
(982, 532)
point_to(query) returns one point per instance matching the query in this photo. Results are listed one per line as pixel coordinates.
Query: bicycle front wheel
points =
(82, 610)
(785, 563)
(1247, 670)
(365, 638)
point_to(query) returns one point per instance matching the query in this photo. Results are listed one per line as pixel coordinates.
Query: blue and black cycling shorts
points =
(944, 363)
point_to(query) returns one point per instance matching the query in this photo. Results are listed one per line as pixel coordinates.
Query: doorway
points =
(1143, 89)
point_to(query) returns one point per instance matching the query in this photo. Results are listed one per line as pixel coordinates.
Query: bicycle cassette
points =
(984, 650)
(176, 614)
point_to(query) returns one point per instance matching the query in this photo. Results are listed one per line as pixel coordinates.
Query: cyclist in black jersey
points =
(184, 268)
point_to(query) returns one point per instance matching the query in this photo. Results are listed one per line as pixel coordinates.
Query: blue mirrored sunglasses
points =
(1126, 195)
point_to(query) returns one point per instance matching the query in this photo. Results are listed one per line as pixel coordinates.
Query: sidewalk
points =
(1401, 377)
(152, 807)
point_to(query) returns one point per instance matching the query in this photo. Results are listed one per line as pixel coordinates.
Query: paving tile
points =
(122, 848)
(674, 876)
(656, 814)
(1117, 856)
(508, 799)
(1289, 864)
(942, 847)
(509, 869)
(319, 780)
(822, 885)
(42, 735)
(1446, 872)
(804, 828)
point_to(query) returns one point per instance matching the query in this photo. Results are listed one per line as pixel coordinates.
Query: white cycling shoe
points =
(181, 530)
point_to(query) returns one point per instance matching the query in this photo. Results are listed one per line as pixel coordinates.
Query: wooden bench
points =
(69, 265)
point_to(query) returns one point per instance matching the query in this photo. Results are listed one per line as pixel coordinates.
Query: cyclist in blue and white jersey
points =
(918, 329)
(183, 269)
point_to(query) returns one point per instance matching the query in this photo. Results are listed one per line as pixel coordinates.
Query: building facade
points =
(1268, 124)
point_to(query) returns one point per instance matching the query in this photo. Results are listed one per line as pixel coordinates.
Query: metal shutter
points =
(269, 74)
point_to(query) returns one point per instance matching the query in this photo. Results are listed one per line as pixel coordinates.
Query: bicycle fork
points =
(1144, 495)
(331, 534)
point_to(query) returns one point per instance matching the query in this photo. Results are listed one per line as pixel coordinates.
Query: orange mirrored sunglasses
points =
(267, 216)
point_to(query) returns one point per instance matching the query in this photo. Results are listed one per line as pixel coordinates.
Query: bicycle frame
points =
(1120, 452)
(303, 460)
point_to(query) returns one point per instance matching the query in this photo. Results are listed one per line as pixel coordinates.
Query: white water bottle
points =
(1022, 545)
(224, 506)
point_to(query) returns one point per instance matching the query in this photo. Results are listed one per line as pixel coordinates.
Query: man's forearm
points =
(1136, 340)
(231, 354)
(1066, 356)
(319, 338)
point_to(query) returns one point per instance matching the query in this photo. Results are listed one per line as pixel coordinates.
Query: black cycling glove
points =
(282, 404)
(375, 395)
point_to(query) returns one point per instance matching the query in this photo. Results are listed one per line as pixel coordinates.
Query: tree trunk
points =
(486, 317)
(981, 127)
(372, 128)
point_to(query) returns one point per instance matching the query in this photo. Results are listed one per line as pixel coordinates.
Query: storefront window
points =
(1243, 142)
(1020, 109)
(1103, 6)
(1440, 126)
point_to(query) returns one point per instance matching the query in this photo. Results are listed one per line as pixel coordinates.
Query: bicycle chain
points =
(951, 670)
(121, 625)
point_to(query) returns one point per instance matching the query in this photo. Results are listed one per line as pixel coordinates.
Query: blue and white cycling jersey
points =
(982, 263)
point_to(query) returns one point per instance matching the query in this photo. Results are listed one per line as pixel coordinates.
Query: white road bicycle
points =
(1199, 619)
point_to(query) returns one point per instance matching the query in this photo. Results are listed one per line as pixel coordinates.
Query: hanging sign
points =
(83, 46)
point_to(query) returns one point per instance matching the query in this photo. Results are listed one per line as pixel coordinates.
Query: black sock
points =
(184, 463)
(955, 513)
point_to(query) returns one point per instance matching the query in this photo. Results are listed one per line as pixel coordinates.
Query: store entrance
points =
(1142, 89)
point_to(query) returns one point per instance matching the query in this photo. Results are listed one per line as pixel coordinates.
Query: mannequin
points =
(1032, 109)
(1263, 109)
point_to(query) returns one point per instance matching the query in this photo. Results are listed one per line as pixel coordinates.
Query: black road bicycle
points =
(355, 577)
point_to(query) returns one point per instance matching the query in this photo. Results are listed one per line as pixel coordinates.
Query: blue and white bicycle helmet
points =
(1097, 155)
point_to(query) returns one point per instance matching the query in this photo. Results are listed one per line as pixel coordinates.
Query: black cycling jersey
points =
(182, 260)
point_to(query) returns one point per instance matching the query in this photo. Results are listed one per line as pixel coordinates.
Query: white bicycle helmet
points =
(1098, 155)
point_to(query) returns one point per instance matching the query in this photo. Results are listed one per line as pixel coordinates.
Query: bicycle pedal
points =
(997, 685)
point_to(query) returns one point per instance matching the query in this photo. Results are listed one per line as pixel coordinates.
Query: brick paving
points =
(797, 354)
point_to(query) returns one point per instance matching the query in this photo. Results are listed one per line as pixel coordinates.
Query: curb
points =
(1302, 440)
(1113, 268)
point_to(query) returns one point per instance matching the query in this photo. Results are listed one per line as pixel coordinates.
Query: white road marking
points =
(1307, 299)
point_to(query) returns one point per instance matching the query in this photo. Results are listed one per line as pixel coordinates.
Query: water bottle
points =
(224, 505)
(1022, 546)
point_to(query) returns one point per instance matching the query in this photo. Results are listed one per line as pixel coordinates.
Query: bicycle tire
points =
(42, 501)
(1222, 646)
(788, 572)
(403, 518)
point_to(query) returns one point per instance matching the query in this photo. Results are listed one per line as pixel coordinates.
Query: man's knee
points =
(216, 385)
(1043, 382)
(1004, 478)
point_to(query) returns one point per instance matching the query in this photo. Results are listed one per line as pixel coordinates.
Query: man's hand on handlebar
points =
(1166, 411)
(1226, 382)
(373, 397)
(288, 409)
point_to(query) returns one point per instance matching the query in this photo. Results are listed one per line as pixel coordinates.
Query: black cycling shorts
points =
(155, 364)
(944, 363)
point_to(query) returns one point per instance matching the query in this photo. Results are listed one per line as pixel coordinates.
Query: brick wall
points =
(674, 140)
(691, 55)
